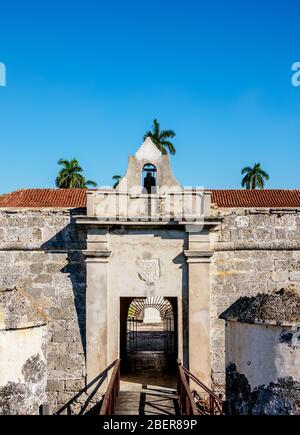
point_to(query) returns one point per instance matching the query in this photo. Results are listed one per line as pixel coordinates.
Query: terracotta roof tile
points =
(44, 198)
(76, 198)
(277, 198)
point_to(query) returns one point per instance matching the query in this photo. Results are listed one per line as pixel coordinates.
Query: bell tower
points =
(149, 158)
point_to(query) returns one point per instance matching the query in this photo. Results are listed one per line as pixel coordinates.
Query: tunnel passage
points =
(148, 334)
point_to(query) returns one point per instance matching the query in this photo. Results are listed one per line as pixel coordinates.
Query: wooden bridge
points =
(158, 400)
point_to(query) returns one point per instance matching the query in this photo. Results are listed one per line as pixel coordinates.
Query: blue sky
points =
(85, 79)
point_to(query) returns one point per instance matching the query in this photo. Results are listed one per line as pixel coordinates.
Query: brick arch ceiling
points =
(138, 306)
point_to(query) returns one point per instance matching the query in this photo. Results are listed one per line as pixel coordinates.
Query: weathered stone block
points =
(281, 276)
(43, 279)
(75, 385)
(55, 385)
(54, 267)
(75, 347)
(284, 264)
(263, 234)
(64, 397)
(57, 348)
(263, 265)
(37, 268)
(242, 221)
(294, 276)
(65, 375)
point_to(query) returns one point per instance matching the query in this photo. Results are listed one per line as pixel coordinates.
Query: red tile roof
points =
(274, 198)
(44, 198)
(76, 198)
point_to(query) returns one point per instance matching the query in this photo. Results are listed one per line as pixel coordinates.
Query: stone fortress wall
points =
(256, 251)
(41, 250)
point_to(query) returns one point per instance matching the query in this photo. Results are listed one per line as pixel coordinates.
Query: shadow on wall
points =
(83, 403)
(180, 260)
(72, 240)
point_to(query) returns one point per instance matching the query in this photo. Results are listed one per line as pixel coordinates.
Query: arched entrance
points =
(149, 334)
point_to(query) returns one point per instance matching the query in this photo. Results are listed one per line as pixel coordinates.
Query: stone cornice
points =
(94, 220)
(193, 256)
(97, 255)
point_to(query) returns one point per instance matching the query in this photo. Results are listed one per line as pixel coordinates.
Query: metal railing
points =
(186, 401)
(210, 404)
(109, 401)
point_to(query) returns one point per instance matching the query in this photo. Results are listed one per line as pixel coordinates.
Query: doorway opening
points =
(148, 335)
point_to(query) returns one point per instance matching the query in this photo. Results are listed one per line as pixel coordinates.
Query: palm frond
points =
(264, 174)
(246, 170)
(159, 137)
(63, 162)
(148, 134)
(90, 183)
(246, 182)
(169, 145)
(156, 127)
(161, 148)
(165, 134)
(117, 179)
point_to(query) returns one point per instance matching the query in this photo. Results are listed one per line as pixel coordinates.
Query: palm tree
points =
(160, 138)
(88, 183)
(70, 177)
(254, 177)
(117, 179)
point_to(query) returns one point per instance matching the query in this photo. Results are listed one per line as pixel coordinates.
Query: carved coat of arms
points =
(149, 269)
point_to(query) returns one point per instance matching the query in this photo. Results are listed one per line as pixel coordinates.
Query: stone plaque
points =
(149, 270)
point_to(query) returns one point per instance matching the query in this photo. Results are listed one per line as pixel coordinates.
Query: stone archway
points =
(149, 342)
(152, 333)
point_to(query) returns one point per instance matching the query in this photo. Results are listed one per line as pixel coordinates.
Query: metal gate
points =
(132, 336)
(158, 340)
(168, 323)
